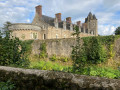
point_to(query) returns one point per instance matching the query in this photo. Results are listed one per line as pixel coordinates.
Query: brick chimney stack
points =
(58, 16)
(39, 10)
(68, 20)
(78, 23)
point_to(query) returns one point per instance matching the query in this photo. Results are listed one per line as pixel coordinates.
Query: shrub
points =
(53, 58)
(64, 59)
(95, 51)
(12, 51)
(7, 85)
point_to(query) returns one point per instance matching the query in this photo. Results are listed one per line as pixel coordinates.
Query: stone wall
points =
(60, 47)
(29, 79)
(25, 34)
(117, 50)
(63, 47)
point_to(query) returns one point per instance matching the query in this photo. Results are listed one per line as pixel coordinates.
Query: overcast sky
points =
(23, 11)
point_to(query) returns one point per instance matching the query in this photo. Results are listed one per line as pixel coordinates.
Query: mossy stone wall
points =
(30, 79)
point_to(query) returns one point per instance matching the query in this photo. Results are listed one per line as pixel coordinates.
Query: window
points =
(23, 36)
(86, 30)
(35, 35)
(44, 36)
(31, 35)
(64, 36)
(56, 35)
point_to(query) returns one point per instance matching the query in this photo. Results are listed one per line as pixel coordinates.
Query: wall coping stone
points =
(33, 79)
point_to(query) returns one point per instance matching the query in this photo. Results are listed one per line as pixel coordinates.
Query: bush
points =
(95, 51)
(12, 51)
(7, 85)
(53, 58)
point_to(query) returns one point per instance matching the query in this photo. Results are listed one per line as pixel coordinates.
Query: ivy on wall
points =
(43, 50)
(106, 42)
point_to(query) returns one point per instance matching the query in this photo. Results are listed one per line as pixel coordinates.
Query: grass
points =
(108, 69)
(49, 65)
(107, 72)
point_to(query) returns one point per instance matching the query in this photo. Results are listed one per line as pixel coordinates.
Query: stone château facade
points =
(45, 27)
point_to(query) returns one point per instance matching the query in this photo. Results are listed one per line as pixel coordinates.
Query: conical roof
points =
(94, 17)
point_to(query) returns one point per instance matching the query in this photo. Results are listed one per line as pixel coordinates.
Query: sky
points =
(23, 11)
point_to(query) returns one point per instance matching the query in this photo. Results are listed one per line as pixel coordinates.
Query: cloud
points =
(106, 11)
(106, 29)
(28, 20)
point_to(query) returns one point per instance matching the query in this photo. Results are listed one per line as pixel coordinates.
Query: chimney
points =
(58, 16)
(68, 20)
(39, 10)
(78, 23)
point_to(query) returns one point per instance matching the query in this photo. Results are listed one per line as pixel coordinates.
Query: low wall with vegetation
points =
(63, 47)
(29, 79)
(59, 47)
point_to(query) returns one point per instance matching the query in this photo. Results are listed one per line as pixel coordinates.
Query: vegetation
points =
(6, 25)
(12, 51)
(89, 52)
(89, 55)
(117, 31)
(105, 42)
(49, 65)
(95, 52)
(53, 58)
(78, 54)
(101, 72)
(7, 85)
(43, 51)
(93, 60)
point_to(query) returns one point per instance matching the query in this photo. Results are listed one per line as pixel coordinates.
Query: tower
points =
(91, 21)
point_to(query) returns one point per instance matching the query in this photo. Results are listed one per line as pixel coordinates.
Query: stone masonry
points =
(31, 79)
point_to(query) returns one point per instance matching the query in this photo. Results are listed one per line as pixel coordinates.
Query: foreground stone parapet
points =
(31, 79)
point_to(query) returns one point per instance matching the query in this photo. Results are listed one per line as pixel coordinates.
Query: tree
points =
(6, 25)
(117, 31)
(78, 53)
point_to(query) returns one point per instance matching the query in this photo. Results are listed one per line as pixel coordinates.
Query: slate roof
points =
(46, 20)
